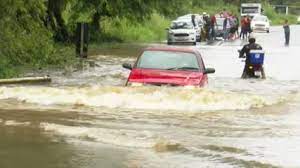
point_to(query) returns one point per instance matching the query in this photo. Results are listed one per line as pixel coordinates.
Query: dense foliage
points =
(32, 30)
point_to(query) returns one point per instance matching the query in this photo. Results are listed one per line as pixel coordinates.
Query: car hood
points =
(183, 31)
(165, 77)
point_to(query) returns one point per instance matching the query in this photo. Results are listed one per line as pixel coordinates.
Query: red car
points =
(169, 66)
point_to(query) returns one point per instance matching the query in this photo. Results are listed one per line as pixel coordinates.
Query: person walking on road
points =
(226, 28)
(286, 28)
(213, 26)
(243, 34)
(237, 25)
(248, 26)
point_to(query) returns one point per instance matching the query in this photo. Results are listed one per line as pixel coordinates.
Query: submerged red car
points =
(171, 66)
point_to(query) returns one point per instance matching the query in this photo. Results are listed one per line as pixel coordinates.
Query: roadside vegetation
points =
(40, 34)
(276, 18)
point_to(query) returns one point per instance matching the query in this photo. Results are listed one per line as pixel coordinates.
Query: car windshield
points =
(168, 60)
(181, 25)
(258, 18)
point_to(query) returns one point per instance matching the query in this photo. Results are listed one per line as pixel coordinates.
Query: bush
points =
(276, 18)
(125, 30)
(24, 39)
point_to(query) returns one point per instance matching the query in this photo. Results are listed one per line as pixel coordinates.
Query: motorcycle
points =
(254, 68)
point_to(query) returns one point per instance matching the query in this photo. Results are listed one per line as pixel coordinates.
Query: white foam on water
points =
(15, 123)
(153, 98)
(118, 137)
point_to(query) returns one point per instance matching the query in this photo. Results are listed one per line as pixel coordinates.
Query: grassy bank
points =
(152, 29)
(61, 56)
(25, 41)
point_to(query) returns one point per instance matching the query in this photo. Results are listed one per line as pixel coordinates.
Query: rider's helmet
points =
(252, 38)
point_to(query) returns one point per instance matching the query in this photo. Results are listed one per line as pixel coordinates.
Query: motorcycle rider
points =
(246, 51)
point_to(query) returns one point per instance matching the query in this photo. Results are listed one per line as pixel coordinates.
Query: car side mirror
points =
(209, 70)
(127, 66)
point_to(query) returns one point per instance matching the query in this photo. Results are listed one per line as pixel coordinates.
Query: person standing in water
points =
(286, 28)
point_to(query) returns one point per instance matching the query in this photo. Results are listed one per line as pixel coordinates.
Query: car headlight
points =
(135, 84)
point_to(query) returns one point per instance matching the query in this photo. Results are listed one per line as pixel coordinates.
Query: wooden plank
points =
(25, 80)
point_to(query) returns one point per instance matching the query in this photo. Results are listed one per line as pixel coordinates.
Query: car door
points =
(204, 79)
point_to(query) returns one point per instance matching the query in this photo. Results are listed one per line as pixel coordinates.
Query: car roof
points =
(172, 49)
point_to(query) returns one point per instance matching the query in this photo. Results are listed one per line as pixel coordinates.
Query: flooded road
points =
(87, 119)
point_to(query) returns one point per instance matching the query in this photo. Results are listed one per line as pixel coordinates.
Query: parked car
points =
(182, 31)
(198, 22)
(260, 23)
(198, 18)
(219, 27)
(159, 66)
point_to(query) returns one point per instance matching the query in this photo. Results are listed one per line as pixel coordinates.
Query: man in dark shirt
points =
(246, 51)
(286, 28)
(193, 17)
(213, 25)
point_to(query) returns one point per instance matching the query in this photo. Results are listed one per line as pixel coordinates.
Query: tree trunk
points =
(55, 20)
(96, 21)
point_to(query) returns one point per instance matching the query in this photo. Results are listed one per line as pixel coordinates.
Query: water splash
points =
(150, 98)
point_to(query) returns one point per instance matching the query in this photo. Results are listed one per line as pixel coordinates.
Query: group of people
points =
(230, 25)
(209, 23)
(245, 27)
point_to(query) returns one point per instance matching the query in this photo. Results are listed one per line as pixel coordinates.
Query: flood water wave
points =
(150, 98)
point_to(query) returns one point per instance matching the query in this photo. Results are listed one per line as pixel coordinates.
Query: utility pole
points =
(82, 40)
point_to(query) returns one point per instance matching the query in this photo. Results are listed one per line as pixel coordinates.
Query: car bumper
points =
(260, 28)
(182, 39)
